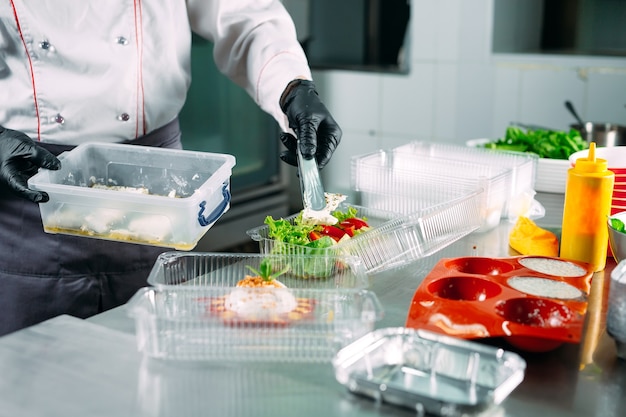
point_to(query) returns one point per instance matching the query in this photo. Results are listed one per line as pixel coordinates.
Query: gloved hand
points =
(20, 158)
(318, 132)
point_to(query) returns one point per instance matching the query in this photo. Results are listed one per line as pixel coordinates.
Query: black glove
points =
(20, 158)
(318, 132)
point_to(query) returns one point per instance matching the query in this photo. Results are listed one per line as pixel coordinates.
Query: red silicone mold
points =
(535, 303)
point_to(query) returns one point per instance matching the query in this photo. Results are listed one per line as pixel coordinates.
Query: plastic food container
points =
(394, 239)
(197, 269)
(399, 181)
(535, 303)
(522, 165)
(428, 372)
(208, 323)
(138, 194)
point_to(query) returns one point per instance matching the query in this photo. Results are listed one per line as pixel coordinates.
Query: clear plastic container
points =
(138, 194)
(523, 165)
(427, 372)
(399, 182)
(394, 239)
(217, 323)
(198, 269)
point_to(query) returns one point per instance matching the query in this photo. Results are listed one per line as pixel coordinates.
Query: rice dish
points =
(554, 267)
(545, 287)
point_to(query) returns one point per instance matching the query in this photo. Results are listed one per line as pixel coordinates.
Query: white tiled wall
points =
(457, 89)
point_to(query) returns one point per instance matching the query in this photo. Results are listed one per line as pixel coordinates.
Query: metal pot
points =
(603, 134)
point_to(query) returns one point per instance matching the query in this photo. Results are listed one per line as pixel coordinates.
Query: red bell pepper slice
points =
(349, 229)
(313, 235)
(334, 232)
(356, 222)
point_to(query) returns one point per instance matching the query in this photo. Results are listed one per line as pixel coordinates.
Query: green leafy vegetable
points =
(282, 230)
(296, 238)
(265, 270)
(350, 213)
(618, 225)
(551, 144)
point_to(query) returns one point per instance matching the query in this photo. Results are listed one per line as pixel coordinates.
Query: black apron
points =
(44, 275)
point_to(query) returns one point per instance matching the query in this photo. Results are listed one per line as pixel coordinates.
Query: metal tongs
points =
(310, 183)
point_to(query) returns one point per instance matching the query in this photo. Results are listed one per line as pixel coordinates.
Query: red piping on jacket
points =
(32, 72)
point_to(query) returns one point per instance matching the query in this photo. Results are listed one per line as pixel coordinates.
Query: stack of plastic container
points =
(405, 178)
(523, 165)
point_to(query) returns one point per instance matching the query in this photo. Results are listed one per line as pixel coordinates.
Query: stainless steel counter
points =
(70, 367)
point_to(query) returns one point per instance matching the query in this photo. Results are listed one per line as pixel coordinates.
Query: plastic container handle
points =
(219, 210)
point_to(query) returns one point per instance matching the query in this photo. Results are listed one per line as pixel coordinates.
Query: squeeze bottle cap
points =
(591, 163)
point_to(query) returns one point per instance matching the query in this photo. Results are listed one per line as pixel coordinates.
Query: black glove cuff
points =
(291, 87)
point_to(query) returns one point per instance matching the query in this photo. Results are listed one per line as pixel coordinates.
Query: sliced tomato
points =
(356, 222)
(349, 229)
(333, 231)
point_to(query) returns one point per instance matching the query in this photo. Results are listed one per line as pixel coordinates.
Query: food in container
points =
(534, 303)
(552, 146)
(277, 299)
(392, 239)
(546, 143)
(430, 373)
(193, 323)
(617, 235)
(137, 194)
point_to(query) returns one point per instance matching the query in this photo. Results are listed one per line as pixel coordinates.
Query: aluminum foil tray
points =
(250, 324)
(395, 239)
(428, 372)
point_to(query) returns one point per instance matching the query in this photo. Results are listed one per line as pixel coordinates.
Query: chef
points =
(118, 71)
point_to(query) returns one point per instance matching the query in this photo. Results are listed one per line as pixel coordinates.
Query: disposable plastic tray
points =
(428, 372)
(394, 239)
(214, 269)
(550, 174)
(535, 303)
(400, 182)
(523, 165)
(199, 323)
(138, 194)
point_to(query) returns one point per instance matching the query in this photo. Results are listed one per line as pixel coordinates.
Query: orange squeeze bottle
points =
(588, 195)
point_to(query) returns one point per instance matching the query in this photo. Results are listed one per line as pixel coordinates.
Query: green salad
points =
(551, 144)
(294, 237)
(617, 224)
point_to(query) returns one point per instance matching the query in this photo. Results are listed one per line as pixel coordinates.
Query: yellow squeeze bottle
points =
(588, 195)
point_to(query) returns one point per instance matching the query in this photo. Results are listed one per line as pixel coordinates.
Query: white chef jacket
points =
(75, 71)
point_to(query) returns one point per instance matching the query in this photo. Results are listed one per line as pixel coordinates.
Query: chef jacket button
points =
(121, 40)
(46, 45)
(59, 119)
(124, 117)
